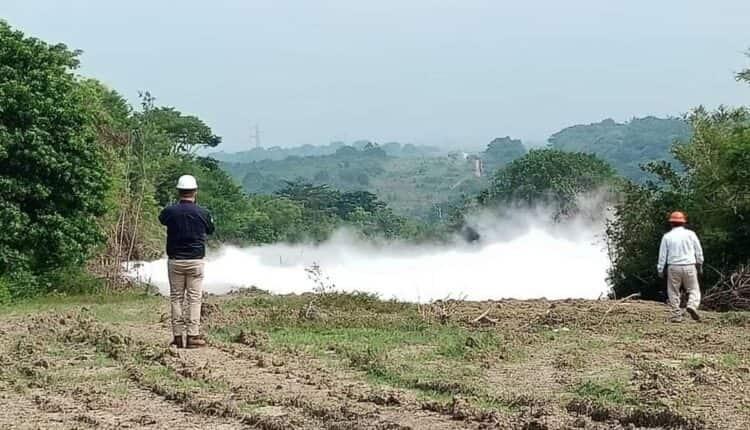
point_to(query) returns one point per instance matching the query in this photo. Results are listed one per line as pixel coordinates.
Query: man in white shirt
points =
(681, 253)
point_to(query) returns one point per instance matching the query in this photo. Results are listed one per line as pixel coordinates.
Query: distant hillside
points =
(625, 145)
(413, 186)
(420, 181)
(394, 149)
(500, 151)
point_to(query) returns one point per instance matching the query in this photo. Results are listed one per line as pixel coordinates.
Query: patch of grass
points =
(143, 311)
(735, 319)
(119, 389)
(256, 302)
(695, 362)
(86, 374)
(388, 341)
(730, 360)
(112, 302)
(486, 403)
(223, 334)
(631, 336)
(571, 358)
(358, 301)
(165, 376)
(433, 396)
(464, 346)
(370, 360)
(250, 408)
(398, 357)
(320, 339)
(417, 369)
(552, 335)
(604, 391)
(58, 351)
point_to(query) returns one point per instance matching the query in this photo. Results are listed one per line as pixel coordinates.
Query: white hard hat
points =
(187, 182)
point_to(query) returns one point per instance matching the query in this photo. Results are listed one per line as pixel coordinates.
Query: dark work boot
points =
(177, 342)
(194, 342)
(693, 314)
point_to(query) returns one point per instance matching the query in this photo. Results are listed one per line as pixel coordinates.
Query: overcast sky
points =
(441, 72)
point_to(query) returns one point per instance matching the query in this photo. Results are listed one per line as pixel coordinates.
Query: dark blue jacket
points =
(187, 227)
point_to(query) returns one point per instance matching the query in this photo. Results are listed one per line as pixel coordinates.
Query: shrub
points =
(52, 173)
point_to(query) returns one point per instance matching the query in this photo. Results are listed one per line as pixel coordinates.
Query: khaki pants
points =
(186, 285)
(686, 276)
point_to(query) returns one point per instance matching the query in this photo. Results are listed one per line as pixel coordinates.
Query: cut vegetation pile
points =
(730, 293)
(351, 361)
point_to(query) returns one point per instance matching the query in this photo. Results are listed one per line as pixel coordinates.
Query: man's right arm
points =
(662, 256)
(698, 253)
(698, 248)
(163, 216)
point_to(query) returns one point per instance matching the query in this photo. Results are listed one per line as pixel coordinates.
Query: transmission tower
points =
(255, 136)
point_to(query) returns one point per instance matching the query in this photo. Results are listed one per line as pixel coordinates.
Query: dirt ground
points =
(350, 361)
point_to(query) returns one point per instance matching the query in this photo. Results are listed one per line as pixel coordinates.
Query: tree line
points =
(83, 175)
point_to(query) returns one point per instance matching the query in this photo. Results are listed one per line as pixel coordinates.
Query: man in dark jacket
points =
(187, 227)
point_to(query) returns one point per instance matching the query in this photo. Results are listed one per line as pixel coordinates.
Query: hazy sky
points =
(452, 71)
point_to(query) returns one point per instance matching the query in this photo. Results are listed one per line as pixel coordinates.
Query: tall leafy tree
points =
(186, 132)
(548, 177)
(52, 176)
(501, 151)
(628, 145)
(714, 190)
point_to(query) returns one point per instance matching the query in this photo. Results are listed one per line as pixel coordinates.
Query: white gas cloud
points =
(523, 255)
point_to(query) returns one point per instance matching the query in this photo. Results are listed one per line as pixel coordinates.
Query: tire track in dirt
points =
(338, 400)
(277, 397)
(49, 384)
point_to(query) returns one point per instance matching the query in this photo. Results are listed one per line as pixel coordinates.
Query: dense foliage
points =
(626, 146)
(548, 177)
(394, 149)
(714, 190)
(83, 175)
(52, 174)
(501, 151)
(413, 187)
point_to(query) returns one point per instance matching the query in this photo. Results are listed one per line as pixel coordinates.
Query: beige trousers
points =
(186, 290)
(686, 276)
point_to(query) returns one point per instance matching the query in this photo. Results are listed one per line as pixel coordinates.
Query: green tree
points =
(186, 132)
(273, 219)
(52, 176)
(713, 189)
(626, 146)
(349, 202)
(501, 151)
(548, 177)
(744, 75)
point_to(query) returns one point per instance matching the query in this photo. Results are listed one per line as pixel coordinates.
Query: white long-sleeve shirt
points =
(679, 247)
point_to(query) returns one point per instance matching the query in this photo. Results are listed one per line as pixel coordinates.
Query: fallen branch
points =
(634, 295)
(484, 317)
(731, 292)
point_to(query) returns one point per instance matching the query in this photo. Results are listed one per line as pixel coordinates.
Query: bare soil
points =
(352, 362)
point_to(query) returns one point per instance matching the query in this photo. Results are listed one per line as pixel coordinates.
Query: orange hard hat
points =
(677, 217)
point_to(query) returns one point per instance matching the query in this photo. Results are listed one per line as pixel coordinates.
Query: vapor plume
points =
(522, 255)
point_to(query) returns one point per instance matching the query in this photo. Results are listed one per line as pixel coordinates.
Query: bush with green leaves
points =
(52, 175)
(548, 177)
(626, 146)
(501, 151)
(714, 191)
